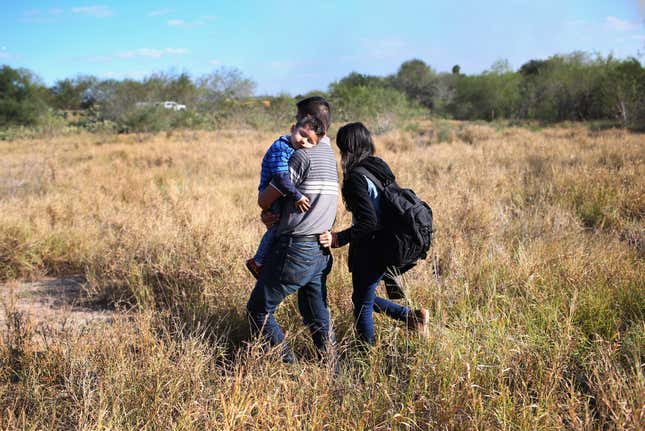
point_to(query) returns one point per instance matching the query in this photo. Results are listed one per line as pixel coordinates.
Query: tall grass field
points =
(535, 283)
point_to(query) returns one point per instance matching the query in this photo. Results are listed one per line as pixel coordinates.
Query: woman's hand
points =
(325, 239)
(328, 239)
(269, 218)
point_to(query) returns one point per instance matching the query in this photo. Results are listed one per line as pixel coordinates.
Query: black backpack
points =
(406, 222)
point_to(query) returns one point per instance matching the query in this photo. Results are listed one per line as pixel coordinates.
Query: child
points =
(275, 168)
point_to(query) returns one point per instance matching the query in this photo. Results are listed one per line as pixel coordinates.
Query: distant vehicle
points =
(167, 105)
(174, 106)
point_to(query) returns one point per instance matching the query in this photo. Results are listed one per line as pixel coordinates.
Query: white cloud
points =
(159, 12)
(215, 62)
(176, 51)
(141, 52)
(136, 53)
(175, 22)
(613, 23)
(5, 55)
(152, 53)
(41, 16)
(95, 11)
(130, 74)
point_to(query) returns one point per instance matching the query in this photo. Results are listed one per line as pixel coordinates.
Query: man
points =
(297, 262)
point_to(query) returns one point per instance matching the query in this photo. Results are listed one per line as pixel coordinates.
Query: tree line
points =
(571, 87)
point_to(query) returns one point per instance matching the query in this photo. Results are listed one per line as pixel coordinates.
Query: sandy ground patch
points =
(57, 302)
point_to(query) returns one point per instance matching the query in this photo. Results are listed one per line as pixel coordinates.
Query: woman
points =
(365, 261)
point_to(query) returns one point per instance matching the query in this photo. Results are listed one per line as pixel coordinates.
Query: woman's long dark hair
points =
(355, 144)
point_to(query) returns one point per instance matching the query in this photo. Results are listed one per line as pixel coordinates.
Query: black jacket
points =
(363, 237)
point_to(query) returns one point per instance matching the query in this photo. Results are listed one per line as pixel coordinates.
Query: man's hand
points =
(303, 204)
(269, 218)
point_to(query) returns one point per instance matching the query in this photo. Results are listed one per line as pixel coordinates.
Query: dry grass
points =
(535, 285)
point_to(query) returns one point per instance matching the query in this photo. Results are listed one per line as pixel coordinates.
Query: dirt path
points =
(51, 301)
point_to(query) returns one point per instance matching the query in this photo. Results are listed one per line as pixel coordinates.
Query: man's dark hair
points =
(317, 107)
(313, 123)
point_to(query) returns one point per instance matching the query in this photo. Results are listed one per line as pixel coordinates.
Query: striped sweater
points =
(314, 172)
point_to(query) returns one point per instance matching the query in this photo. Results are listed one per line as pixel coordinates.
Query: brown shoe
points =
(419, 322)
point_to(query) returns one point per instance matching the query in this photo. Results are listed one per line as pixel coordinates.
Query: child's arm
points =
(283, 182)
(275, 163)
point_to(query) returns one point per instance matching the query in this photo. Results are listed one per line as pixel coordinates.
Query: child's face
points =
(303, 136)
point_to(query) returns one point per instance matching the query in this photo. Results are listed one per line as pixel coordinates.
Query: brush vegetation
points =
(534, 282)
(578, 86)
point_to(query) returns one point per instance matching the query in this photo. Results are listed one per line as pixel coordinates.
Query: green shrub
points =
(20, 97)
(381, 108)
(156, 119)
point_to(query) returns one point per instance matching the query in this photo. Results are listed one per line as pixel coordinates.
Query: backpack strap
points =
(363, 171)
(379, 186)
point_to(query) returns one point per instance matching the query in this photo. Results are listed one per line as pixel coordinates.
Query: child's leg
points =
(265, 245)
(268, 238)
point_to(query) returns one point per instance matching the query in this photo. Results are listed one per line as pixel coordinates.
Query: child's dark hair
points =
(317, 107)
(313, 123)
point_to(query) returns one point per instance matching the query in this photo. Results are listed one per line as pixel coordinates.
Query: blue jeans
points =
(269, 237)
(366, 276)
(266, 243)
(293, 267)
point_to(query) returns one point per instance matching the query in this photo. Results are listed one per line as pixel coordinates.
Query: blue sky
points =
(296, 46)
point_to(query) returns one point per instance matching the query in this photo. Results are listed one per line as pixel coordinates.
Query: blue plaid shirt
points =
(276, 160)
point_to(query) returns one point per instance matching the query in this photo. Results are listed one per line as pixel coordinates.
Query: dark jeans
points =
(366, 276)
(265, 244)
(291, 267)
(269, 237)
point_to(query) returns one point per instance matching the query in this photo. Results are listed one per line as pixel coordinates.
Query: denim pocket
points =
(300, 263)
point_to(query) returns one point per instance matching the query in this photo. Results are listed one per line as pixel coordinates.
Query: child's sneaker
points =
(254, 268)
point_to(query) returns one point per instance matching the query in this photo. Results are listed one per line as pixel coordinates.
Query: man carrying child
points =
(295, 261)
(275, 170)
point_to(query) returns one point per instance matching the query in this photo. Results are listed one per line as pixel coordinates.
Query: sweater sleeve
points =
(282, 182)
(360, 204)
(298, 169)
